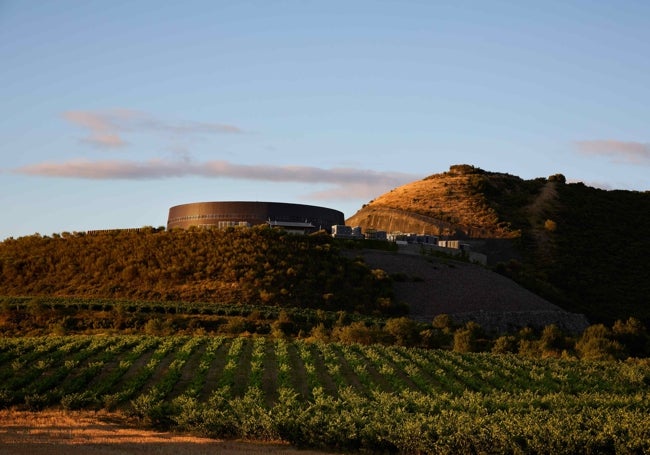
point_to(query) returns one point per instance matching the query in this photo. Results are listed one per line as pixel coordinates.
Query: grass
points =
(87, 432)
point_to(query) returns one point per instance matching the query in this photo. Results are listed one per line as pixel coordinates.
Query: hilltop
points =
(454, 203)
(582, 248)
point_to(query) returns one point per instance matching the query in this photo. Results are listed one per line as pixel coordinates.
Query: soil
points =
(103, 433)
(432, 285)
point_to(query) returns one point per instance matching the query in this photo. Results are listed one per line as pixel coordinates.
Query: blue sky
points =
(112, 112)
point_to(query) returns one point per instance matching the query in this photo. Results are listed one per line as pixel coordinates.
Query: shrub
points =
(157, 326)
(596, 343)
(79, 400)
(550, 225)
(633, 336)
(505, 344)
(552, 341)
(356, 332)
(234, 326)
(403, 330)
(466, 339)
(443, 322)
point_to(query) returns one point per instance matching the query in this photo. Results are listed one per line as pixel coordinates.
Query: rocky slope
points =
(451, 204)
(432, 286)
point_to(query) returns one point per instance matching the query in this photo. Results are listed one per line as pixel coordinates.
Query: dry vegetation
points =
(104, 433)
(255, 265)
(451, 203)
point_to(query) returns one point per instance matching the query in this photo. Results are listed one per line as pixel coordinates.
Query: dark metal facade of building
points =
(223, 214)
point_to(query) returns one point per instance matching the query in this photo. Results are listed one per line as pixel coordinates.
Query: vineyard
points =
(343, 396)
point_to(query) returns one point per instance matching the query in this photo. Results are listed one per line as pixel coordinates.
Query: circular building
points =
(292, 217)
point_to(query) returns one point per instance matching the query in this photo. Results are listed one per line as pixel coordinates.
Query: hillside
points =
(583, 248)
(261, 266)
(433, 286)
(234, 266)
(465, 202)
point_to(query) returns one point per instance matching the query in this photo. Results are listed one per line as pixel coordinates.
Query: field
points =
(336, 396)
(105, 433)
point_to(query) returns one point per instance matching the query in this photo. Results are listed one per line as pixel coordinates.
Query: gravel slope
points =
(467, 291)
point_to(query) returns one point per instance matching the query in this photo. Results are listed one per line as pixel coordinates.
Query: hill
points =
(583, 248)
(255, 265)
(465, 202)
(266, 267)
(433, 286)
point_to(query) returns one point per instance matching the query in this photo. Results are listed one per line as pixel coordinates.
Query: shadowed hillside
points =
(583, 248)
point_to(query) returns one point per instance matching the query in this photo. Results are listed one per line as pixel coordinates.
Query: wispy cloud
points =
(620, 151)
(106, 128)
(103, 129)
(347, 182)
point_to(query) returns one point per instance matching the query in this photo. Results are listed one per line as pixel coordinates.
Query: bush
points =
(234, 326)
(158, 326)
(633, 336)
(505, 344)
(552, 342)
(467, 338)
(357, 332)
(79, 400)
(443, 322)
(403, 330)
(596, 343)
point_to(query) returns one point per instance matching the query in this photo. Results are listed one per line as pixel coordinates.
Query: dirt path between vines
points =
(102, 433)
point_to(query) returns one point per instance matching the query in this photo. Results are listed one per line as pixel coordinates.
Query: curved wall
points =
(220, 213)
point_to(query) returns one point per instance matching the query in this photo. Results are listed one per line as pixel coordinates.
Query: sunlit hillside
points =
(455, 203)
(255, 265)
(582, 248)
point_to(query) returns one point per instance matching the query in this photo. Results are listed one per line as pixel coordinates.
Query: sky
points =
(111, 112)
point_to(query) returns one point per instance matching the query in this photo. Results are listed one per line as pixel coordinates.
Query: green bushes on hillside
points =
(602, 252)
(24, 316)
(255, 265)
